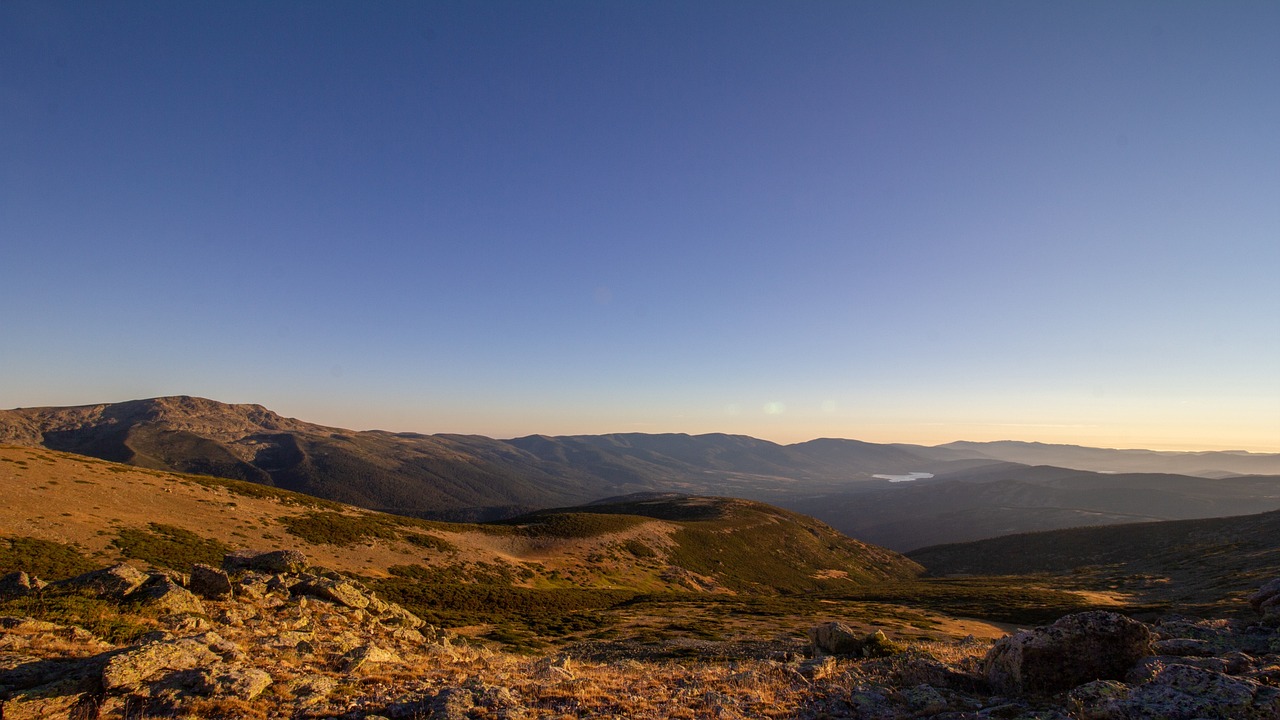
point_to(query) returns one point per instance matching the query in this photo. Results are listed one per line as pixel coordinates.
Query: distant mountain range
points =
(978, 489)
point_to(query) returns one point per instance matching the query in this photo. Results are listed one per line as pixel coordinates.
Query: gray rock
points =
(923, 700)
(273, 561)
(240, 683)
(366, 655)
(396, 615)
(1177, 692)
(835, 638)
(1098, 700)
(451, 704)
(115, 582)
(1266, 601)
(1186, 647)
(311, 689)
(210, 582)
(1073, 651)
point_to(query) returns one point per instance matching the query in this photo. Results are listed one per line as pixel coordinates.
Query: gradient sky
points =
(891, 221)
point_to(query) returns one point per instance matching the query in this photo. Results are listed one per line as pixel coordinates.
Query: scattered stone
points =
(210, 582)
(366, 655)
(818, 668)
(1076, 649)
(240, 683)
(273, 561)
(451, 704)
(311, 689)
(923, 700)
(877, 644)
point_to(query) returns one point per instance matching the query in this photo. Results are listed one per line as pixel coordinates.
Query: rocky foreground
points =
(265, 636)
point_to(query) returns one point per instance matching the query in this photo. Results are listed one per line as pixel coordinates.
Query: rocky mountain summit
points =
(265, 636)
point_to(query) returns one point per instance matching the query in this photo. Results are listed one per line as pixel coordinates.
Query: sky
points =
(890, 221)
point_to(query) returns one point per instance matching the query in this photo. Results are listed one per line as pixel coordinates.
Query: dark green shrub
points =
(104, 618)
(333, 528)
(639, 549)
(170, 547)
(45, 559)
(430, 541)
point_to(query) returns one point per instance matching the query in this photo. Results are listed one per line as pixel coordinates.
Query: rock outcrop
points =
(309, 643)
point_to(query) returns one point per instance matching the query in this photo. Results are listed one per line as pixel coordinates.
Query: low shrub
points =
(169, 546)
(45, 559)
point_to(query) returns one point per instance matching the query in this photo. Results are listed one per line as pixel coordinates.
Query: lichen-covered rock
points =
(923, 700)
(366, 655)
(1177, 692)
(272, 561)
(343, 592)
(835, 638)
(1074, 650)
(232, 681)
(451, 704)
(311, 690)
(130, 669)
(115, 582)
(42, 706)
(169, 598)
(396, 615)
(210, 582)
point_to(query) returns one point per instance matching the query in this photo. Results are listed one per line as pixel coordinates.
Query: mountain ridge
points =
(474, 477)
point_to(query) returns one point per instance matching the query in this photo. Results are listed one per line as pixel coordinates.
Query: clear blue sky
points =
(896, 221)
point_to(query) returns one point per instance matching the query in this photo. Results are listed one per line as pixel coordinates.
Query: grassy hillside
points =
(644, 569)
(1188, 563)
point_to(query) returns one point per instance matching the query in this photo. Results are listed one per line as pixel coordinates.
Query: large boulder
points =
(273, 561)
(210, 582)
(1074, 650)
(835, 638)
